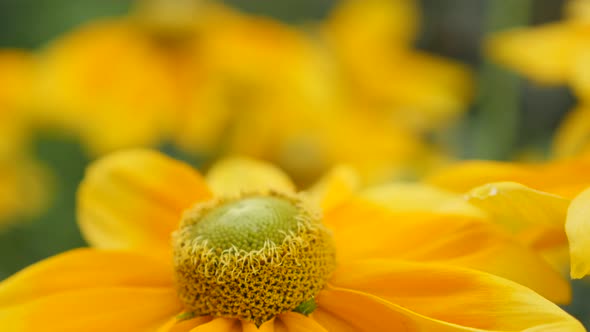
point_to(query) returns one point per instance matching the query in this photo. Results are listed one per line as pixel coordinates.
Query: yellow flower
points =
(543, 204)
(418, 271)
(108, 83)
(420, 90)
(563, 46)
(23, 182)
(565, 50)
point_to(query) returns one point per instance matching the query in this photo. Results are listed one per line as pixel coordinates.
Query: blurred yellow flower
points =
(107, 83)
(393, 271)
(371, 41)
(555, 53)
(23, 182)
(543, 204)
(217, 82)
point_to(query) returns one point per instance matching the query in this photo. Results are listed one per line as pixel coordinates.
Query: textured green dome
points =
(248, 223)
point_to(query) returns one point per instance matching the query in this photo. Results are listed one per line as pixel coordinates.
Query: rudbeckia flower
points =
(543, 204)
(20, 176)
(240, 249)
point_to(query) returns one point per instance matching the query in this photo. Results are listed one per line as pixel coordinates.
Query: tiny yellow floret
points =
(251, 257)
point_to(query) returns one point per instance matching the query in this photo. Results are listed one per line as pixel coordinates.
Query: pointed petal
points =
(448, 295)
(452, 239)
(577, 228)
(235, 175)
(134, 199)
(519, 50)
(84, 269)
(93, 310)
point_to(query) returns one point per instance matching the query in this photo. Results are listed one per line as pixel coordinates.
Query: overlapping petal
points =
(84, 269)
(89, 290)
(134, 199)
(565, 178)
(366, 230)
(423, 296)
(127, 309)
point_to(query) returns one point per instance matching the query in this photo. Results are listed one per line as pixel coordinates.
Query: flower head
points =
(172, 253)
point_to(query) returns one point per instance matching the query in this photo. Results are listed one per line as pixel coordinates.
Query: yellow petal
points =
(335, 187)
(127, 106)
(457, 240)
(93, 310)
(454, 298)
(84, 269)
(518, 207)
(134, 199)
(519, 50)
(565, 178)
(235, 175)
(577, 228)
(268, 326)
(573, 135)
(414, 197)
(434, 87)
(355, 25)
(299, 323)
(220, 325)
(174, 325)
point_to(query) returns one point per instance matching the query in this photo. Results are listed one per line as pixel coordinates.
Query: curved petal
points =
(519, 50)
(349, 310)
(134, 199)
(453, 239)
(577, 228)
(439, 294)
(335, 187)
(84, 269)
(93, 310)
(565, 178)
(232, 176)
(518, 207)
(416, 197)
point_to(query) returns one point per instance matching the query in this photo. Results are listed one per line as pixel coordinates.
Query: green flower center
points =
(248, 224)
(252, 258)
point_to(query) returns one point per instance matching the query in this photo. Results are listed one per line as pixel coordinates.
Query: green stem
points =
(496, 123)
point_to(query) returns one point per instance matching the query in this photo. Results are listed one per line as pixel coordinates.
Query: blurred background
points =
(314, 83)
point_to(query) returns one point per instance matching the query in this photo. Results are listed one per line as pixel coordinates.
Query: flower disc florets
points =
(251, 257)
